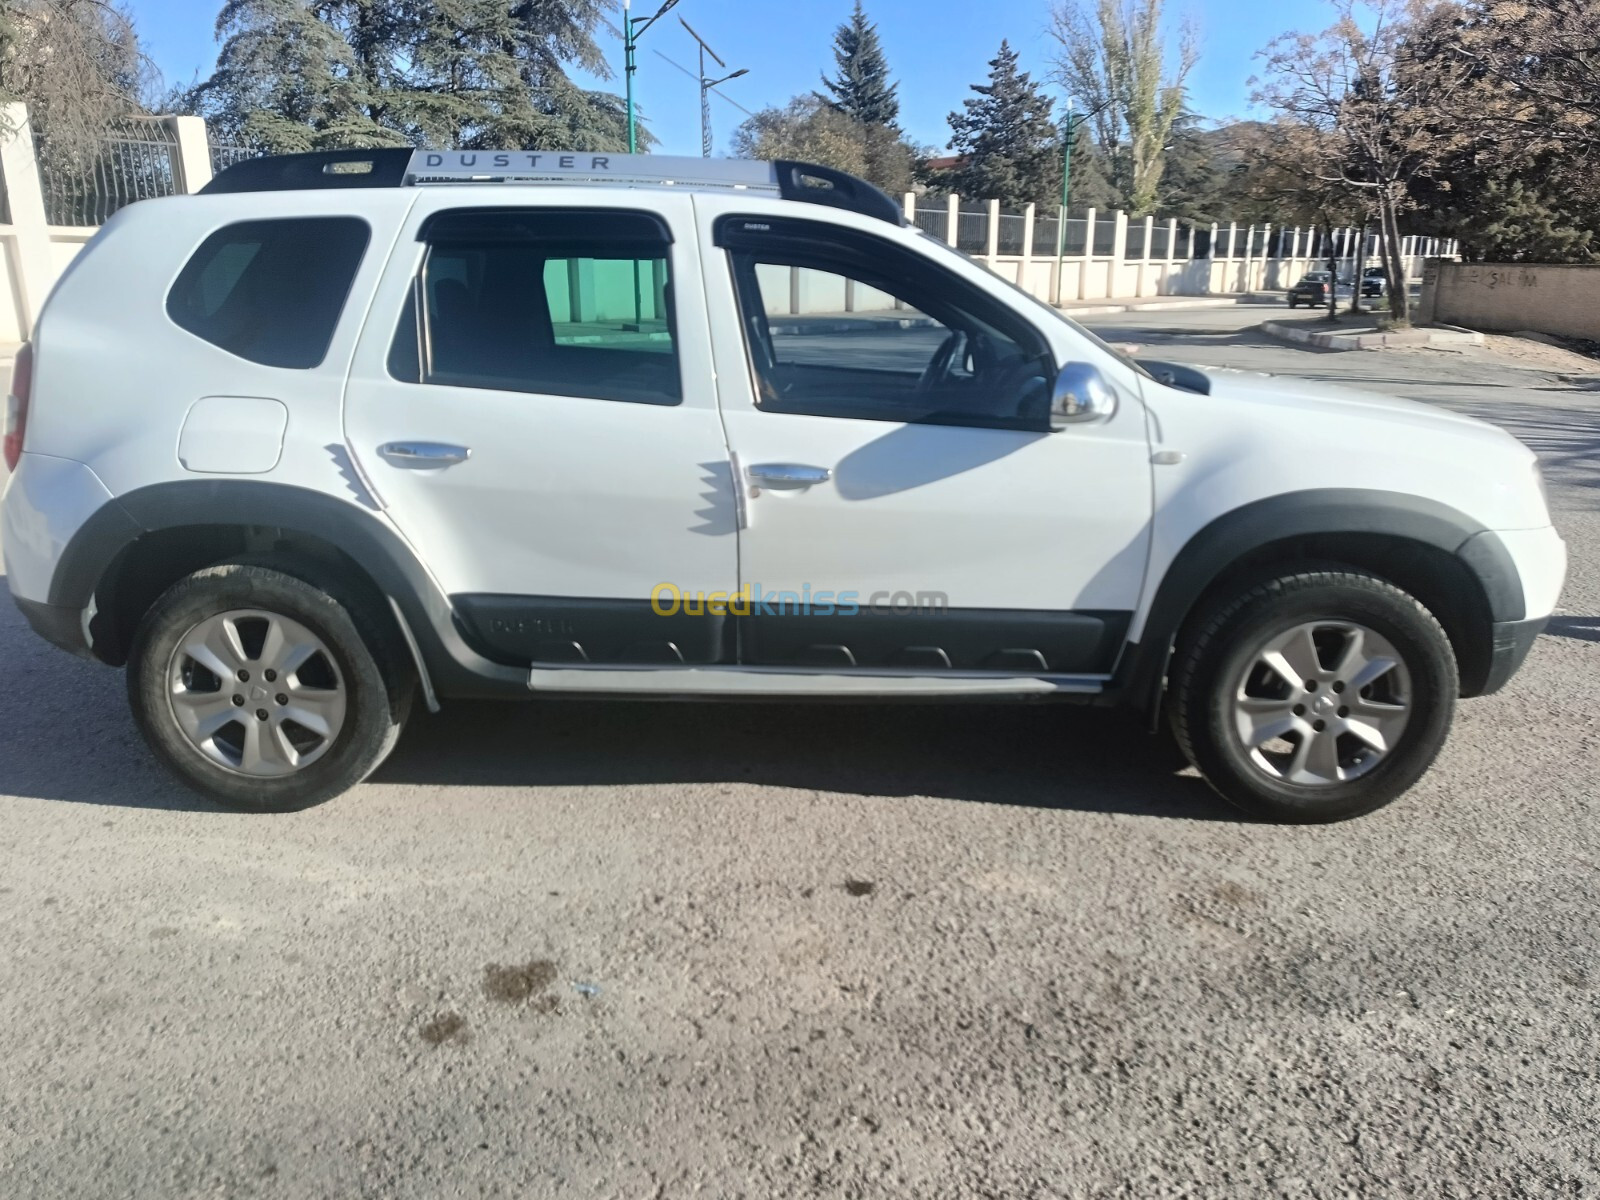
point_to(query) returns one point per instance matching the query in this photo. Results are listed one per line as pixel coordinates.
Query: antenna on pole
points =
(706, 84)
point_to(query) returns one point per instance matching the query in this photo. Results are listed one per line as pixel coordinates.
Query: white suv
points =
(361, 428)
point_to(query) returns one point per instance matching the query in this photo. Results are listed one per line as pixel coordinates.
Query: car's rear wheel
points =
(257, 688)
(1293, 303)
(1314, 696)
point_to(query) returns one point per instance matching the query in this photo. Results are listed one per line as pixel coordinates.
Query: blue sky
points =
(936, 48)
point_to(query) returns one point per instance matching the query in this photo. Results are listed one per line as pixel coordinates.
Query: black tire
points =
(1293, 303)
(1217, 651)
(376, 678)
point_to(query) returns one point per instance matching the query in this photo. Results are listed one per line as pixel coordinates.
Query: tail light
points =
(17, 405)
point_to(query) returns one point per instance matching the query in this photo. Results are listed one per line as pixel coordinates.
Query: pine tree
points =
(862, 89)
(287, 81)
(309, 74)
(1010, 146)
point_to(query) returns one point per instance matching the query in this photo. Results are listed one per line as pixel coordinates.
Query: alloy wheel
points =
(256, 693)
(1322, 703)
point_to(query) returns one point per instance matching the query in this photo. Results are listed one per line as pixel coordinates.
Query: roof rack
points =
(384, 168)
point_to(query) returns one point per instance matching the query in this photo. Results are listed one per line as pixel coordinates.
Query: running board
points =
(776, 682)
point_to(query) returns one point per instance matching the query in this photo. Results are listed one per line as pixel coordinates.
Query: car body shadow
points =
(66, 735)
(1579, 629)
(1030, 755)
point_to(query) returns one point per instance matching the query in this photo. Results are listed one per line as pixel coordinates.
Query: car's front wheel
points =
(1314, 696)
(258, 689)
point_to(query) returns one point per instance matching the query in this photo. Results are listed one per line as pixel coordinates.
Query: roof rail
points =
(401, 167)
(319, 169)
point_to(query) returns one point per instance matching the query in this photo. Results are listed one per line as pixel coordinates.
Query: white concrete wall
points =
(35, 254)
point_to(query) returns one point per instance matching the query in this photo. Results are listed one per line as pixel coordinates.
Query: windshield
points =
(1089, 334)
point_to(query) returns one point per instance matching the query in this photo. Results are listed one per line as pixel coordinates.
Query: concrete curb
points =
(1447, 336)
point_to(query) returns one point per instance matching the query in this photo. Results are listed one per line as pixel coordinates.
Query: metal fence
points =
(1045, 230)
(225, 156)
(1181, 244)
(933, 220)
(137, 161)
(1012, 235)
(972, 231)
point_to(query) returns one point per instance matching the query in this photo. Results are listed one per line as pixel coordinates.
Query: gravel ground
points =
(654, 950)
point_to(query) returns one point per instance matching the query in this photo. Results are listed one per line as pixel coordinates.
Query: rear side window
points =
(271, 291)
(552, 302)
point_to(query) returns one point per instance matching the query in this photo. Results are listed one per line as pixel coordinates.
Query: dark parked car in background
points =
(1312, 289)
(1374, 282)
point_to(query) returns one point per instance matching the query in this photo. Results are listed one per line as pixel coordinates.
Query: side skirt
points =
(766, 683)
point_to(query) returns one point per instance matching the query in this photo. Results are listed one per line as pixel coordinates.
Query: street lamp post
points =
(631, 30)
(706, 84)
(1073, 122)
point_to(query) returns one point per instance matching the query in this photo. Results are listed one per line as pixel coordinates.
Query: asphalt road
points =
(768, 951)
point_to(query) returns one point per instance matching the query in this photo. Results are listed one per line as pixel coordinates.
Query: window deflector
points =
(419, 285)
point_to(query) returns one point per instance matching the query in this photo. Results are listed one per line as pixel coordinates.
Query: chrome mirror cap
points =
(1081, 395)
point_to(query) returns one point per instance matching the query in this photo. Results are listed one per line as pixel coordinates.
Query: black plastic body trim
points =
(1512, 642)
(456, 670)
(301, 172)
(1141, 673)
(57, 624)
(564, 631)
(1491, 562)
(1024, 642)
(551, 631)
(1177, 375)
(836, 189)
(389, 167)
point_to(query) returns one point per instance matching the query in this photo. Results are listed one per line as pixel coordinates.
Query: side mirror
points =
(1081, 395)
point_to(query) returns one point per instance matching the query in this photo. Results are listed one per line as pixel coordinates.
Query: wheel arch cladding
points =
(1352, 525)
(207, 518)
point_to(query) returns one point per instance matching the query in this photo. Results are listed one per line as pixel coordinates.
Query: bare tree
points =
(1114, 61)
(811, 129)
(1293, 172)
(1371, 100)
(77, 65)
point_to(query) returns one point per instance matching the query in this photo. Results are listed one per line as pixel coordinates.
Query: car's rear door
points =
(532, 403)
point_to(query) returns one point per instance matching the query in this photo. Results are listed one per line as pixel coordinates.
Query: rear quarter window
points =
(271, 291)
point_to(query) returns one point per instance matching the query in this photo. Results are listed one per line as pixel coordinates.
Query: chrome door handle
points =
(420, 456)
(782, 476)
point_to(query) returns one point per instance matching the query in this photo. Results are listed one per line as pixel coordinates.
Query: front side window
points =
(271, 291)
(557, 303)
(841, 324)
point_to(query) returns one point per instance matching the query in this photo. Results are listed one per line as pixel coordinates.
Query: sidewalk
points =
(1362, 333)
(1094, 308)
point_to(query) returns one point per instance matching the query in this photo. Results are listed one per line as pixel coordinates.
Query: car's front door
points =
(532, 404)
(905, 506)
